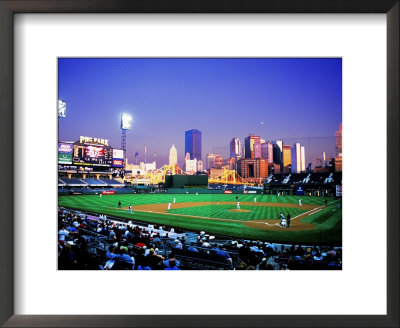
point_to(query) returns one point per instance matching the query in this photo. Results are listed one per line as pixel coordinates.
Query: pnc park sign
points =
(83, 139)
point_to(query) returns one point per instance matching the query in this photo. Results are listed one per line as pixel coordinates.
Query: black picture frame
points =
(10, 7)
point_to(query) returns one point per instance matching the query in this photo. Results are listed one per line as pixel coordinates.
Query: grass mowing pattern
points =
(223, 211)
(328, 221)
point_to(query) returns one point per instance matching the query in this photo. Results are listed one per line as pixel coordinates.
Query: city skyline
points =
(277, 99)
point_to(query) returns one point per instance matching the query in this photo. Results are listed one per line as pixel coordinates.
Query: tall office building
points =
(267, 151)
(252, 145)
(193, 143)
(338, 135)
(253, 168)
(214, 161)
(323, 159)
(235, 148)
(287, 158)
(277, 149)
(338, 152)
(200, 166)
(231, 163)
(303, 159)
(191, 166)
(173, 156)
(296, 158)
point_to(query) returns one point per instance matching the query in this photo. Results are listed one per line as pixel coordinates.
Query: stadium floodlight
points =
(62, 108)
(126, 122)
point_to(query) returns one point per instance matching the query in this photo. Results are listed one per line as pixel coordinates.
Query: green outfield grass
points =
(328, 221)
(225, 212)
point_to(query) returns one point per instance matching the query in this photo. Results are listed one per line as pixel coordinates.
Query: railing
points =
(307, 264)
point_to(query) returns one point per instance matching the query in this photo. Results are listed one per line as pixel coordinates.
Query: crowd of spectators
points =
(92, 242)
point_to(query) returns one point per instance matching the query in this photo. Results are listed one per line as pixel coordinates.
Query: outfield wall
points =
(179, 181)
(211, 191)
(84, 191)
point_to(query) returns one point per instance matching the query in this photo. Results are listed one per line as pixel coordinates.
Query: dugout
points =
(184, 181)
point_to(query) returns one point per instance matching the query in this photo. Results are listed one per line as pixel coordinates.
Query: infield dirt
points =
(262, 224)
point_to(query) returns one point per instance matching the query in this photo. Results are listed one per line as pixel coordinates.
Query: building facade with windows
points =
(173, 156)
(253, 169)
(235, 148)
(193, 143)
(252, 145)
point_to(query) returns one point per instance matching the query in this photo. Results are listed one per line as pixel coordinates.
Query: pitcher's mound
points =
(237, 210)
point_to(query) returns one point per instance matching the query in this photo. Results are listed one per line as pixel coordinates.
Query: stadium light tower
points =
(62, 112)
(62, 108)
(126, 124)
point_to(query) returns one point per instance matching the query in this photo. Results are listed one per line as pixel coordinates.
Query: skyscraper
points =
(200, 166)
(287, 157)
(235, 148)
(253, 168)
(193, 143)
(173, 156)
(338, 150)
(214, 161)
(278, 148)
(266, 151)
(303, 158)
(252, 145)
(338, 135)
(296, 158)
(191, 166)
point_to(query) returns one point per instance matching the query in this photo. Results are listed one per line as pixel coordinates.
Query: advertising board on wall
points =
(65, 153)
(108, 192)
(118, 153)
(118, 163)
(65, 148)
(64, 158)
(299, 191)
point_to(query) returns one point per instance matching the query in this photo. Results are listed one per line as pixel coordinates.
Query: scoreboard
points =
(92, 155)
(90, 152)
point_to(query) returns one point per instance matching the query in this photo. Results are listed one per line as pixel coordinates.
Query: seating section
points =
(93, 242)
(329, 179)
(74, 182)
(304, 178)
(298, 178)
(111, 182)
(95, 182)
(286, 180)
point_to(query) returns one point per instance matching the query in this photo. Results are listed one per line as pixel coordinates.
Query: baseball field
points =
(218, 214)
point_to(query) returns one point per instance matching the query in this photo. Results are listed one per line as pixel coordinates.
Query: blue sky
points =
(285, 99)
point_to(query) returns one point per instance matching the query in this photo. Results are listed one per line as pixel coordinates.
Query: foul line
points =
(313, 211)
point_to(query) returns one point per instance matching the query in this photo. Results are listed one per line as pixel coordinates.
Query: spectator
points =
(66, 260)
(63, 233)
(171, 256)
(171, 265)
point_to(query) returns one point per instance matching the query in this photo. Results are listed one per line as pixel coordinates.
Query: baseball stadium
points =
(198, 219)
(199, 164)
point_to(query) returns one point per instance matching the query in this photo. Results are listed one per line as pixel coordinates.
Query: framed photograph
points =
(207, 140)
(212, 197)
